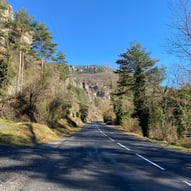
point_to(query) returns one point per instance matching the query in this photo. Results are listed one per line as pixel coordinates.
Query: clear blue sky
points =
(97, 31)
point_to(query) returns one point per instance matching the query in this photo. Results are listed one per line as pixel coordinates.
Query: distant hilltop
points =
(92, 69)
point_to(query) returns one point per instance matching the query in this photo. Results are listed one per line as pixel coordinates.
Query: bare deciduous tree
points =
(179, 41)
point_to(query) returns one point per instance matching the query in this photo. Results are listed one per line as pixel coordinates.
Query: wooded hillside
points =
(37, 84)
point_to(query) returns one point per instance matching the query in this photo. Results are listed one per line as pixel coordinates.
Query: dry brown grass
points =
(183, 144)
(29, 134)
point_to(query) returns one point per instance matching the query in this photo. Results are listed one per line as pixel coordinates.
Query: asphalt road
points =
(94, 159)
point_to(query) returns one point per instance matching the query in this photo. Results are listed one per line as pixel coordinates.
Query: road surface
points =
(94, 159)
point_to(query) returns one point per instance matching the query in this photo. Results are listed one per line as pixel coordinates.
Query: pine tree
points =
(42, 45)
(3, 65)
(62, 66)
(134, 66)
(21, 25)
(5, 73)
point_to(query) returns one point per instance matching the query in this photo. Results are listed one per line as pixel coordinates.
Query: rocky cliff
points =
(97, 82)
(6, 18)
(88, 86)
(6, 15)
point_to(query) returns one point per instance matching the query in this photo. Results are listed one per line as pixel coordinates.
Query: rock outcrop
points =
(98, 88)
(6, 15)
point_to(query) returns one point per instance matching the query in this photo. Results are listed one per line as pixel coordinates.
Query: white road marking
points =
(140, 156)
(56, 143)
(101, 131)
(123, 146)
(104, 134)
(158, 166)
(188, 183)
(111, 139)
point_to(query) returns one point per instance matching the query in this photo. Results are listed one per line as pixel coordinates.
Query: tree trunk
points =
(19, 72)
(22, 70)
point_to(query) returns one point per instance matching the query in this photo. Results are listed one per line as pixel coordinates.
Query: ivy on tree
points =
(134, 67)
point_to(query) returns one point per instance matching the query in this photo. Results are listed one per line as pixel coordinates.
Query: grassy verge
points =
(177, 146)
(29, 134)
(181, 146)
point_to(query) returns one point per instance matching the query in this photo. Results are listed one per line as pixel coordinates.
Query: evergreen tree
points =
(21, 25)
(134, 66)
(118, 108)
(5, 72)
(3, 65)
(42, 44)
(62, 66)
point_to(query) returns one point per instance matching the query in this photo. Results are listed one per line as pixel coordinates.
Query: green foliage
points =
(6, 72)
(46, 74)
(62, 66)
(2, 5)
(134, 67)
(63, 72)
(3, 19)
(34, 97)
(40, 93)
(96, 102)
(118, 108)
(83, 112)
(21, 25)
(23, 20)
(60, 58)
(3, 73)
(42, 44)
(79, 94)
(58, 109)
(182, 109)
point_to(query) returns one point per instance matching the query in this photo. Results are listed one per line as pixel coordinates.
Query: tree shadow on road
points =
(89, 163)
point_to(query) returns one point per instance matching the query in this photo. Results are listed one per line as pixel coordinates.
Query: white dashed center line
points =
(140, 156)
(123, 146)
(111, 139)
(158, 166)
(188, 183)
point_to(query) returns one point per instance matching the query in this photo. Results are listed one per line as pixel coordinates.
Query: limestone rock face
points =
(27, 38)
(97, 83)
(6, 14)
(6, 10)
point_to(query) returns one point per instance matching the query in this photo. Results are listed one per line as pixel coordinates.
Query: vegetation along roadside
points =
(43, 98)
